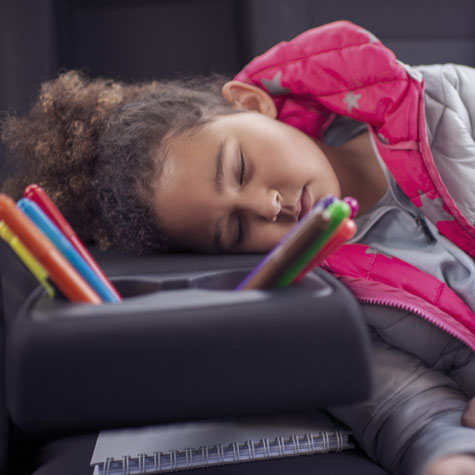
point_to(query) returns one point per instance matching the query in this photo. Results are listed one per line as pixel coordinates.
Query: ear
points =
(242, 96)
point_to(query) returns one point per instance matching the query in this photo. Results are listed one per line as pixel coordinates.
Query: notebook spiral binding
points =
(248, 451)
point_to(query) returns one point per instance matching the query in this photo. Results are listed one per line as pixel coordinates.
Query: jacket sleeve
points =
(450, 112)
(413, 416)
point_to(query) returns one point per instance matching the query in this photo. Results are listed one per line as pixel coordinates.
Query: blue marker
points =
(33, 211)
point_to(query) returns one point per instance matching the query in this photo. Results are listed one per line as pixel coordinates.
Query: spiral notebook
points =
(182, 446)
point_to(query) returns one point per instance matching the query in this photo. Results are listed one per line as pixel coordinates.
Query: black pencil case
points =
(182, 346)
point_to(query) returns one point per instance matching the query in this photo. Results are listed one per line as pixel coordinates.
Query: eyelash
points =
(243, 170)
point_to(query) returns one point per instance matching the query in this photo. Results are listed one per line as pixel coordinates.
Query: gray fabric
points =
(450, 112)
(424, 376)
(434, 347)
(395, 227)
(343, 129)
(443, 435)
(413, 416)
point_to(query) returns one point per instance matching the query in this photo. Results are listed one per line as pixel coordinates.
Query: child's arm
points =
(468, 416)
(452, 465)
(413, 418)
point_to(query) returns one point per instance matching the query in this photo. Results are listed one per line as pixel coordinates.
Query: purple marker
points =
(282, 256)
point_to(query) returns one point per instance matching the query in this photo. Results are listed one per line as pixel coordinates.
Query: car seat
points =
(182, 346)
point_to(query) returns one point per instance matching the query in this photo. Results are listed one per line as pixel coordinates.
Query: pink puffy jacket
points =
(342, 69)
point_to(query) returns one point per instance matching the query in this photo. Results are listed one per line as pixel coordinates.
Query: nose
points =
(265, 203)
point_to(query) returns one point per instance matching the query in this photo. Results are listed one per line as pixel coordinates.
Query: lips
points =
(305, 203)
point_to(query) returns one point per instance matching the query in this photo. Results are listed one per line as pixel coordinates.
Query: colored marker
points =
(293, 245)
(62, 273)
(36, 194)
(325, 228)
(26, 257)
(345, 231)
(275, 265)
(33, 211)
(338, 211)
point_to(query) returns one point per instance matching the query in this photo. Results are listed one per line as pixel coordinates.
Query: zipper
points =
(394, 190)
(418, 218)
(372, 295)
(421, 222)
(399, 304)
(382, 210)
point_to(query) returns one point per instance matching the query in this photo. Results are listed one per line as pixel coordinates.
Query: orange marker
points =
(41, 198)
(61, 272)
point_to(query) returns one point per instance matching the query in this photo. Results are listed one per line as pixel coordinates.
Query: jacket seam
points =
(383, 408)
(445, 106)
(439, 293)
(440, 118)
(370, 269)
(367, 86)
(458, 89)
(306, 56)
(402, 450)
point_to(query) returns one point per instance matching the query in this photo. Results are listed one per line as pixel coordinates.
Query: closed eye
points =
(243, 169)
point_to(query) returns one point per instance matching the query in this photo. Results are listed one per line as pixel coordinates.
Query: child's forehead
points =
(188, 155)
(206, 137)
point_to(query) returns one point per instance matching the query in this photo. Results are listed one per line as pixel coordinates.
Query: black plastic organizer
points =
(183, 345)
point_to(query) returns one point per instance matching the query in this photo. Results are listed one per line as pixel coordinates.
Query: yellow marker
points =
(25, 255)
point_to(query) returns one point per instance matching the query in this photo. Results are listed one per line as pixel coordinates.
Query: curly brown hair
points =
(97, 145)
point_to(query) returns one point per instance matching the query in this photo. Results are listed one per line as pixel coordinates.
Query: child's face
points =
(240, 183)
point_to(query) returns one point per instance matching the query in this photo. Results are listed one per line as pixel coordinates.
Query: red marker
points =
(345, 231)
(39, 196)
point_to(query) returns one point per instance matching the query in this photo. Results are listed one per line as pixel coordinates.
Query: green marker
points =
(338, 211)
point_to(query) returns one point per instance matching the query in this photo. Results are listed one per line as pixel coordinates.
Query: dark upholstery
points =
(70, 453)
(147, 39)
(419, 32)
(154, 38)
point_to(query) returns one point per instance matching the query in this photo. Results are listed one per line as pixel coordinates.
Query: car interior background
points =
(53, 399)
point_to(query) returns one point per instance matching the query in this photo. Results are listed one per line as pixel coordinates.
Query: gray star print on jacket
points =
(274, 85)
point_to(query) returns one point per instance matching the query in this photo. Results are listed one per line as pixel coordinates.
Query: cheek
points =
(265, 236)
(184, 217)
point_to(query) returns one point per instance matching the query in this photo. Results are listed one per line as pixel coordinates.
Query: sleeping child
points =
(217, 165)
